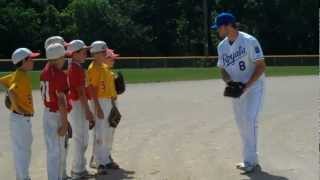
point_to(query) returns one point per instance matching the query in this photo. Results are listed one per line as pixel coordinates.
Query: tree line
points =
(158, 27)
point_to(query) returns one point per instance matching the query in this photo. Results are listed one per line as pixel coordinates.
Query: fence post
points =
(138, 63)
(165, 63)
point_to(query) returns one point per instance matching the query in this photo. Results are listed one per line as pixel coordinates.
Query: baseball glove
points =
(115, 116)
(7, 101)
(234, 89)
(120, 83)
(91, 125)
(69, 131)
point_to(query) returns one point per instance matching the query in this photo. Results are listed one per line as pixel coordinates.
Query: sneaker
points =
(66, 177)
(111, 159)
(101, 170)
(81, 175)
(93, 163)
(112, 165)
(247, 168)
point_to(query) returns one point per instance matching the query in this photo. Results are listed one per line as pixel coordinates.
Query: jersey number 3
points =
(242, 65)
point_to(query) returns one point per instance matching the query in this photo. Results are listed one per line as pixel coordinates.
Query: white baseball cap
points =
(98, 46)
(55, 51)
(54, 39)
(76, 45)
(21, 54)
(110, 54)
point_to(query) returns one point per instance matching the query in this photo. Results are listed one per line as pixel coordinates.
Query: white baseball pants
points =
(21, 137)
(56, 150)
(246, 110)
(79, 142)
(103, 133)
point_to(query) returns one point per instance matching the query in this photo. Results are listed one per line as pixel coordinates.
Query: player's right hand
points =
(100, 113)
(89, 116)
(62, 131)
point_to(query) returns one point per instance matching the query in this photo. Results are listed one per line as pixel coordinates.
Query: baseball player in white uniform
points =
(241, 59)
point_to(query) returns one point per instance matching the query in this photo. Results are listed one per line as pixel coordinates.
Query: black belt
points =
(53, 111)
(50, 109)
(22, 114)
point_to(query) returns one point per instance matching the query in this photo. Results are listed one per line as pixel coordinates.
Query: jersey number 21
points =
(44, 86)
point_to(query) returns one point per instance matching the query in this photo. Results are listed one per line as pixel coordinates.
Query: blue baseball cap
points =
(223, 19)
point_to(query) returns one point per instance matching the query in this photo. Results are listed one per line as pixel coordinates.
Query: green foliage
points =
(282, 26)
(19, 27)
(157, 27)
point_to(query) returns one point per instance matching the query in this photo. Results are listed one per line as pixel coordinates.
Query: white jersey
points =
(238, 58)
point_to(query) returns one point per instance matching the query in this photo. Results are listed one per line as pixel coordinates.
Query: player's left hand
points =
(234, 89)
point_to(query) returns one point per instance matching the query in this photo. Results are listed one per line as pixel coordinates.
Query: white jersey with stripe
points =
(238, 58)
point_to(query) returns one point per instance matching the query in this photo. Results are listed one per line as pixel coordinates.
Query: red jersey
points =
(76, 78)
(53, 81)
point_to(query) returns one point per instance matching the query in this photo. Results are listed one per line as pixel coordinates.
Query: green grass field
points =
(183, 74)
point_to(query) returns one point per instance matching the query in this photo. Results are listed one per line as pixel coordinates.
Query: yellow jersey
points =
(102, 78)
(19, 83)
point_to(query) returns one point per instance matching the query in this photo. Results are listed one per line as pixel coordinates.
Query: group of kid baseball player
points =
(74, 101)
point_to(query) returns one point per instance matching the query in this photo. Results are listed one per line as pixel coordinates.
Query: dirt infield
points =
(186, 131)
